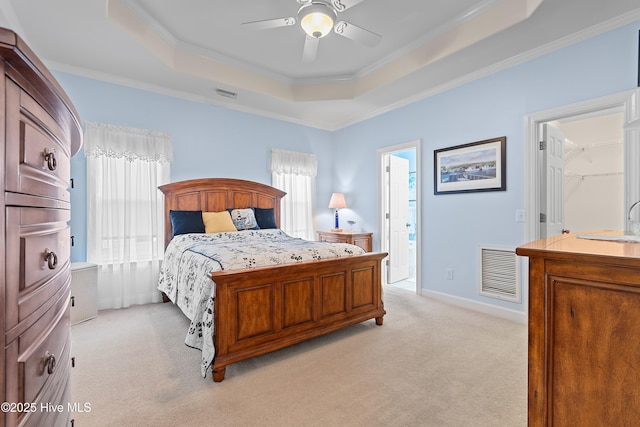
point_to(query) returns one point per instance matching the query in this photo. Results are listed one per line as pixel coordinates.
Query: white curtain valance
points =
(292, 162)
(129, 143)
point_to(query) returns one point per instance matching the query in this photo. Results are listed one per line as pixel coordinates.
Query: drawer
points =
(332, 238)
(38, 245)
(37, 344)
(363, 242)
(32, 374)
(37, 161)
(53, 417)
(359, 239)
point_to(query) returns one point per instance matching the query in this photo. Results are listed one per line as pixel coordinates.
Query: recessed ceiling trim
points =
(187, 62)
(625, 19)
(476, 28)
(333, 124)
(430, 35)
(477, 25)
(156, 26)
(208, 53)
(144, 15)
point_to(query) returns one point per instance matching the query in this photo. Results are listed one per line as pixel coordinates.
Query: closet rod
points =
(590, 175)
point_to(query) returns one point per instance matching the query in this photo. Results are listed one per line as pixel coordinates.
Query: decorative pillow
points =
(244, 219)
(217, 222)
(265, 217)
(184, 222)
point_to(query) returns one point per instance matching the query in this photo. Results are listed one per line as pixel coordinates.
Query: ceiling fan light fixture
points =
(317, 19)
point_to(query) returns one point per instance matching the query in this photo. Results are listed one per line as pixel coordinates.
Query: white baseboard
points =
(505, 313)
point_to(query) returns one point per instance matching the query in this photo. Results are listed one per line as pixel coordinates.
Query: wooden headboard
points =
(216, 195)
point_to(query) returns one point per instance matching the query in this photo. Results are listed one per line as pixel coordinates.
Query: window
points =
(295, 173)
(125, 222)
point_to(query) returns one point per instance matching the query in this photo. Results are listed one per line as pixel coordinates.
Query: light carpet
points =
(430, 364)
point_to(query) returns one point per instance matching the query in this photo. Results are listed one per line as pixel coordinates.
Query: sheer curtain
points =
(295, 173)
(125, 221)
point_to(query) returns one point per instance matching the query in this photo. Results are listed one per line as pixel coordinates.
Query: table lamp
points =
(337, 202)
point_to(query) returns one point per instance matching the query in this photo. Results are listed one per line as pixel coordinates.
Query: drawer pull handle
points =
(50, 363)
(51, 258)
(50, 157)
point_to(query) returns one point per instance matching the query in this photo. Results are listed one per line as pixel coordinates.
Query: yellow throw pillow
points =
(217, 222)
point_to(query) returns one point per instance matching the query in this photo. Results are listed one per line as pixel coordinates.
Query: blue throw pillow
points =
(265, 217)
(184, 222)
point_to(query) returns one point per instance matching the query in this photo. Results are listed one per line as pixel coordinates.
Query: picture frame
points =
(473, 167)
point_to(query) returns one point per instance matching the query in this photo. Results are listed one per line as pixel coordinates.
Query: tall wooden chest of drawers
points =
(584, 332)
(40, 132)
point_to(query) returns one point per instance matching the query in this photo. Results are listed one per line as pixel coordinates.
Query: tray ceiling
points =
(197, 49)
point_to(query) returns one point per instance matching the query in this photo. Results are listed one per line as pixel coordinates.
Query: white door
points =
(552, 203)
(398, 219)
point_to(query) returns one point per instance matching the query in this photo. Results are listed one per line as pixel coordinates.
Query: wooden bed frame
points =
(267, 308)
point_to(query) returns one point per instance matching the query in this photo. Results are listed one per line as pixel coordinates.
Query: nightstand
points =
(352, 237)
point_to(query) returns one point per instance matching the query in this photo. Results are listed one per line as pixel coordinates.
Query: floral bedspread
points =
(189, 259)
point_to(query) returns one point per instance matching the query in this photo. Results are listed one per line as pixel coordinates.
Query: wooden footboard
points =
(264, 309)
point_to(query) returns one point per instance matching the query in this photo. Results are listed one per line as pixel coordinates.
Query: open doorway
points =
(399, 210)
(593, 171)
(608, 172)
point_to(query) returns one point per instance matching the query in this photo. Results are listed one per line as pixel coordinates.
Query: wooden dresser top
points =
(573, 248)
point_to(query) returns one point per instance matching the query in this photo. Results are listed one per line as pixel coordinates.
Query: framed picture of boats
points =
(477, 166)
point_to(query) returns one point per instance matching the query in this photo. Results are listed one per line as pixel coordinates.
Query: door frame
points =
(382, 230)
(533, 135)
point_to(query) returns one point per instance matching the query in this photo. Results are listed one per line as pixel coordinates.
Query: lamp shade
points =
(337, 201)
(316, 19)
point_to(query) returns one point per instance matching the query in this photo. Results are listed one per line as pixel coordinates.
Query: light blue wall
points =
(212, 141)
(208, 141)
(454, 225)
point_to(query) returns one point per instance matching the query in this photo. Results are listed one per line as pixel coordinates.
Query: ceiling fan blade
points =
(310, 49)
(269, 23)
(353, 32)
(340, 5)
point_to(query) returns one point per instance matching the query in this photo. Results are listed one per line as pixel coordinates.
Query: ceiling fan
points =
(317, 18)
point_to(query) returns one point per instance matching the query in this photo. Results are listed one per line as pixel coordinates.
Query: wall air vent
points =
(499, 274)
(226, 93)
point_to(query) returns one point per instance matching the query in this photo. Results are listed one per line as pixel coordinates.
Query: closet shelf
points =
(591, 175)
(573, 150)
